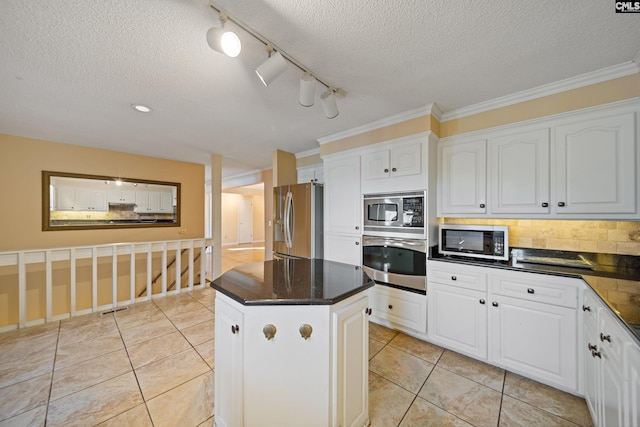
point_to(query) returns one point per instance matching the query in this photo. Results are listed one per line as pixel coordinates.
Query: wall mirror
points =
(77, 202)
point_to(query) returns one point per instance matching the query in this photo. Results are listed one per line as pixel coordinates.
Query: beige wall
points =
(22, 161)
(284, 168)
(314, 159)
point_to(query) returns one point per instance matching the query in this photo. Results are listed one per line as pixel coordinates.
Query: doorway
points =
(245, 220)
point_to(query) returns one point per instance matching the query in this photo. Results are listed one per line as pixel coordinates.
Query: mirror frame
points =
(46, 203)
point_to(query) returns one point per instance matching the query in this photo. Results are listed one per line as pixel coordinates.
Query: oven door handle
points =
(414, 245)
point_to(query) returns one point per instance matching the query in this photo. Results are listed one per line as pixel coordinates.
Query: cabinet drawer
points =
(536, 287)
(400, 307)
(458, 275)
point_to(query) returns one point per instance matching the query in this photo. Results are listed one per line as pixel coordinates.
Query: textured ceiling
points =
(70, 69)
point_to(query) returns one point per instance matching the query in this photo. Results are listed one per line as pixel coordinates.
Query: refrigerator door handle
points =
(287, 220)
(292, 220)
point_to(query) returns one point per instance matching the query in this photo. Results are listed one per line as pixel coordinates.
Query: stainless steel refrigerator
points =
(298, 221)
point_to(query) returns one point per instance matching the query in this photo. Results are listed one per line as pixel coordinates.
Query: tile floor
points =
(153, 365)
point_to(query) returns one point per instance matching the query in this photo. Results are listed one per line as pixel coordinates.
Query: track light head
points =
(329, 105)
(270, 69)
(222, 40)
(307, 89)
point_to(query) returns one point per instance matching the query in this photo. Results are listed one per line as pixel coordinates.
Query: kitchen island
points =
(291, 344)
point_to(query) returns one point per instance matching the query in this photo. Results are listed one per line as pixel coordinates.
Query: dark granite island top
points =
(292, 282)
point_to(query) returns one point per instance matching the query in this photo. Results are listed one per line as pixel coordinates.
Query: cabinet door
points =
(65, 198)
(611, 343)
(343, 248)
(590, 310)
(458, 319)
(343, 201)
(462, 178)
(595, 166)
(535, 339)
(229, 330)
(351, 365)
(279, 369)
(633, 374)
(376, 165)
(519, 173)
(401, 308)
(406, 160)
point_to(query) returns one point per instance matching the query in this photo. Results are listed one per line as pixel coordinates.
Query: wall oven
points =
(395, 214)
(396, 262)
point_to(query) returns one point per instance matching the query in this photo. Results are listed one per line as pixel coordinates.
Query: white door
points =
(245, 220)
(462, 176)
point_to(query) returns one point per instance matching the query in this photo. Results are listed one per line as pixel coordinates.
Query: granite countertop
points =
(292, 282)
(614, 278)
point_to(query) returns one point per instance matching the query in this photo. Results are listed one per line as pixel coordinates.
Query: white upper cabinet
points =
(398, 165)
(596, 165)
(519, 173)
(462, 178)
(581, 165)
(69, 198)
(311, 174)
(343, 200)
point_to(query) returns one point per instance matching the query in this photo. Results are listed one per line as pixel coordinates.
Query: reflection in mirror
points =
(75, 201)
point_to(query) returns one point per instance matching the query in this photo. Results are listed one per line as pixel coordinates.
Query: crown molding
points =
(387, 121)
(598, 76)
(308, 153)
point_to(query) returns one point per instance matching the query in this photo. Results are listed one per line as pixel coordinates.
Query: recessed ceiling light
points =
(141, 108)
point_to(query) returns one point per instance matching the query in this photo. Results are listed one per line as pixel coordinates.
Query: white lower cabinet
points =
(633, 363)
(288, 380)
(399, 309)
(523, 322)
(611, 375)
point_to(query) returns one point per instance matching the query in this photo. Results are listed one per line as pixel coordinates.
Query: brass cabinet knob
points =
(305, 331)
(269, 331)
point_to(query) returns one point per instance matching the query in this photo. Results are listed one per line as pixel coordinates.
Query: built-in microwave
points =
(477, 241)
(395, 214)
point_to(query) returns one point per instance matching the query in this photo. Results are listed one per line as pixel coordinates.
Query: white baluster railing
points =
(106, 253)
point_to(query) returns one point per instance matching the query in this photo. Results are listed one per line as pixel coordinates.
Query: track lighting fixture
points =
(275, 65)
(329, 105)
(222, 40)
(270, 69)
(307, 89)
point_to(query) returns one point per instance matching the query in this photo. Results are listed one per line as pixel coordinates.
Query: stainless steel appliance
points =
(298, 221)
(395, 214)
(400, 263)
(477, 241)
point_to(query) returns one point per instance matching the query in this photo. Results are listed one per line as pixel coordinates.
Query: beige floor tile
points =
(85, 319)
(207, 351)
(103, 327)
(388, 402)
(158, 377)
(135, 318)
(208, 423)
(24, 396)
(72, 353)
(466, 399)
(190, 318)
(189, 404)
(422, 349)
(19, 335)
(135, 417)
(95, 404)
(473, 369)
(425, 414)
(199, 333)
(208, 300)
(147, 331)
(157, 348)
(552, 400)
(515, 413)
(374, 347)
(91, 372)
(30, 350)
(381, 333)
(403, 369)
(33, 418)
(176, 304)
(16, 371)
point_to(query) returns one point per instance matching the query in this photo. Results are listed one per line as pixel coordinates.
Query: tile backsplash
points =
(612, 237)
